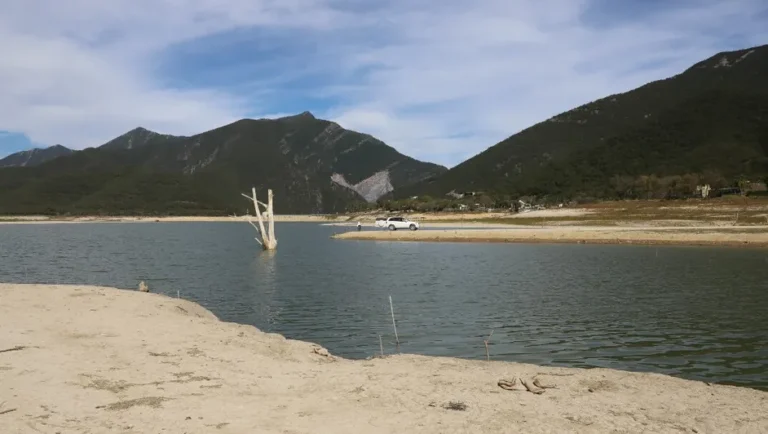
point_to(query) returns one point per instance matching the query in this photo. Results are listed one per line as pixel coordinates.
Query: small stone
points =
(322, 352)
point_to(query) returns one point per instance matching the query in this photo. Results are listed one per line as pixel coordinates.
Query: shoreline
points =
(114, 371)
(431, 224)
(173, 219)
(746, 236)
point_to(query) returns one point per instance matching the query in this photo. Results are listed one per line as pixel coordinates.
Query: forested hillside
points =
(313, 166)
(707, 124)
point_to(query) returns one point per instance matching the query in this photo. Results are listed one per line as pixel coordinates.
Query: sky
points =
(438, 80)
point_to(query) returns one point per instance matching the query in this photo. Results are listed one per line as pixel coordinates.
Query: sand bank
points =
(706, 235)
(96, 360)
(429, 224)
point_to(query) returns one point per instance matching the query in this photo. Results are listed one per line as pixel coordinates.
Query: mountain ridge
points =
(34, 156)
(146, 172)
(528, 163)
(707, 124)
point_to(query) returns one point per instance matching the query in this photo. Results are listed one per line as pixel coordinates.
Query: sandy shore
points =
(100, 360)
(430, 224)
(706, 235)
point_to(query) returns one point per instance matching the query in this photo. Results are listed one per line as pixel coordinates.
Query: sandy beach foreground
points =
(756, 236)
(78, 359)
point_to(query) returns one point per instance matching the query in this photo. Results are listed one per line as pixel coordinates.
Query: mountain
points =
(34, 157)
(137, 138)
(313, 166)
(707, 124)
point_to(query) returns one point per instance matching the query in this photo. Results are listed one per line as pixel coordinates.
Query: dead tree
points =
(268, 240)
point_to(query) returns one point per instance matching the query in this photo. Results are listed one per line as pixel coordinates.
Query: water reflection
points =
(265, 281)
(265, 267)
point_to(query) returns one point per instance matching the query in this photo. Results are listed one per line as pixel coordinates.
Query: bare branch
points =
(254, 226)
(268, 240)
(254, 200)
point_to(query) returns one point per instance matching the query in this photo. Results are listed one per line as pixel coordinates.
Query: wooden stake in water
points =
(381, 346)
(487, 353)
(394, 325)
(178, 294)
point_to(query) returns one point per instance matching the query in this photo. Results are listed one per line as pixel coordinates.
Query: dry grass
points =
(456, 406)
(148, 401)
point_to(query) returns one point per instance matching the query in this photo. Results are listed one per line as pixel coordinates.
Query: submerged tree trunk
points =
(268, 240)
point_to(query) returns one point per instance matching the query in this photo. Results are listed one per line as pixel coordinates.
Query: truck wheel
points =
(413, 227)
(391, 227)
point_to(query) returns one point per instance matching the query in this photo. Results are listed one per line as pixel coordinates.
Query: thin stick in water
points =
(381, 346)
(178, 294)
(487, 353)
(394, 325)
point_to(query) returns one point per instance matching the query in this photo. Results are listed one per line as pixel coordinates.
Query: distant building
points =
(522, 205)
(757, 187)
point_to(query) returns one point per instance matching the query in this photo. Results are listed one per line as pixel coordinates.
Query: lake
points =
(692, 312)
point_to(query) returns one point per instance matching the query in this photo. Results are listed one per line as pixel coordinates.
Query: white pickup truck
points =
(395, 223)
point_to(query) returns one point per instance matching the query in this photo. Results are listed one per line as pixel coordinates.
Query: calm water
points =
(699, 313)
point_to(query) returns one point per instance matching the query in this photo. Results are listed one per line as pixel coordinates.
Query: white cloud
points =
(79, 72)
(491, 80)
(438, 80)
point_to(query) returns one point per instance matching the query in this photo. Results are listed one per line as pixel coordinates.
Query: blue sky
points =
(440, 81)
